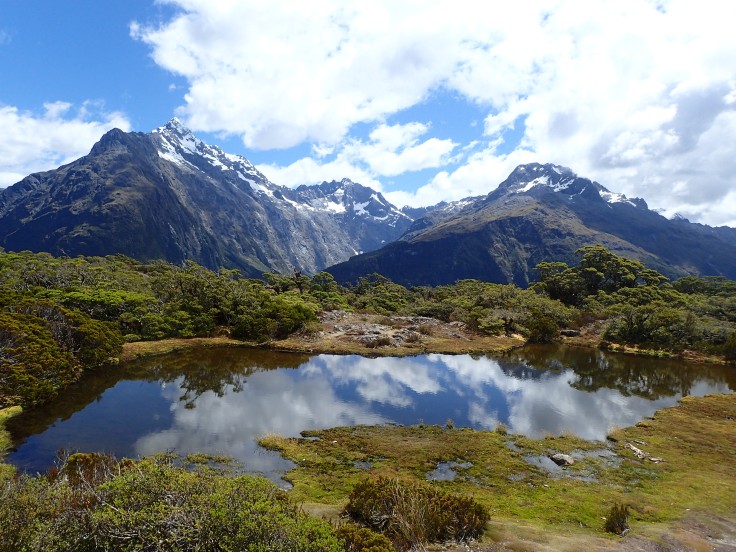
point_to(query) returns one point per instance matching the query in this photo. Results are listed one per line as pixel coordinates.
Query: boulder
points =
(562, 459)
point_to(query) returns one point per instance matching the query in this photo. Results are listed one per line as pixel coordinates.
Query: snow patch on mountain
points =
(334, 207)
(613, 197)
(170, 153)
(179, 145)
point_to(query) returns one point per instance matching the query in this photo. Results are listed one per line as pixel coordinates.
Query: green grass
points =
(696, 440)
(5, 415)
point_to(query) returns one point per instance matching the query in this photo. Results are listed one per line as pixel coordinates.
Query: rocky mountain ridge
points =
(541, 213)
(168, 195)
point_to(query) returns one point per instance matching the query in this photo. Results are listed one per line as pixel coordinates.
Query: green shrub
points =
(362, 539)
(254, 328)
(34, 366)
(414, 514)
(95, 503)
(617, 520)
(729, 349)
(541, 328)
(491, 325)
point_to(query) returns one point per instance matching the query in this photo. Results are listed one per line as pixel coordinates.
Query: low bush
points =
(381, 341)
(362, 539)
(95, 503)
(414, 514)
(425, 329)
(617, 520)
(729, 349)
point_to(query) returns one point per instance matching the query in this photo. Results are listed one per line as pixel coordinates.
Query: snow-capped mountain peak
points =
(179, 145)
(351, 199)
(538, 178)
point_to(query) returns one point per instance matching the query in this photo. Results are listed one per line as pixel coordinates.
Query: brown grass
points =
(442, 345)
(139, 349)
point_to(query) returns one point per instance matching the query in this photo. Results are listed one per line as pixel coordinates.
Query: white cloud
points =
(389, 151)
(478, 175)
(635, 93)
(59, 135)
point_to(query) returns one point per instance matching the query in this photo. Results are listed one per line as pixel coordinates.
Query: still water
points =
(221, 401)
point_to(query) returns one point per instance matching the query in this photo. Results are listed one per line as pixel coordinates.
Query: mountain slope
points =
(168, 195)
(541, 213)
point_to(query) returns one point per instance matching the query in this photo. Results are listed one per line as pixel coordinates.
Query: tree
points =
(729, 349)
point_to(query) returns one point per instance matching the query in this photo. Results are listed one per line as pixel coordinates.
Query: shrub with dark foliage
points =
(413, 514)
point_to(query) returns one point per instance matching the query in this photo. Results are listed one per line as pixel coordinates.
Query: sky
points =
(424, 100)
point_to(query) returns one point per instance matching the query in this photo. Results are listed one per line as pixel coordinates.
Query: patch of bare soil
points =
(695, 533)
(375, 335)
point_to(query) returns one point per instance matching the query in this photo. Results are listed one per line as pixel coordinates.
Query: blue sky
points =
(425, 101)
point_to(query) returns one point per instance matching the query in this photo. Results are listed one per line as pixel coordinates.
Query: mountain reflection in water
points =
(221, 401)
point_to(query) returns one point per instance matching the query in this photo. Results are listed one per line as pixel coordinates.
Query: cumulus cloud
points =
(637, 94)
(36, 142)
(278, 73)
(390, 150)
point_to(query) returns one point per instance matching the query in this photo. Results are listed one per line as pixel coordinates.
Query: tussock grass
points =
(696, 440)
(414, 514)
(139, 349)
(5, 415)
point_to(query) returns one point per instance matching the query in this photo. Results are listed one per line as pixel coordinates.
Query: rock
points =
(562, 459)
(640, 454)
(569, 333)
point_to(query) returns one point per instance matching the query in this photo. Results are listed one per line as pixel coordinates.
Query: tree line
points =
(60, 316)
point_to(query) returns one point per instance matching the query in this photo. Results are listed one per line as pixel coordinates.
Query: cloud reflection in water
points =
(331, 390)
(222, 401)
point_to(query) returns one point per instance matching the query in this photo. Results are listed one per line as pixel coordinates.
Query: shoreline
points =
(383, 336)
(345, 333)
(522, 521)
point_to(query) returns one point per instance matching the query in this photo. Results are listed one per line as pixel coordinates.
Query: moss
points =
(696, 440)
(209, 459)
(5, 414)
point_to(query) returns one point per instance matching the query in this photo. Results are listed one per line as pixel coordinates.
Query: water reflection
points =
(220, 401)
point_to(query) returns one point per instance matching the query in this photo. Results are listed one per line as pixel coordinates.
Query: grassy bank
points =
(5, 415)
(140, 349)
(369, 335)
(695, 441)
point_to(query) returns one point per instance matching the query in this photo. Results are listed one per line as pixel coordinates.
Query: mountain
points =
(168, 195)
(543, 213)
